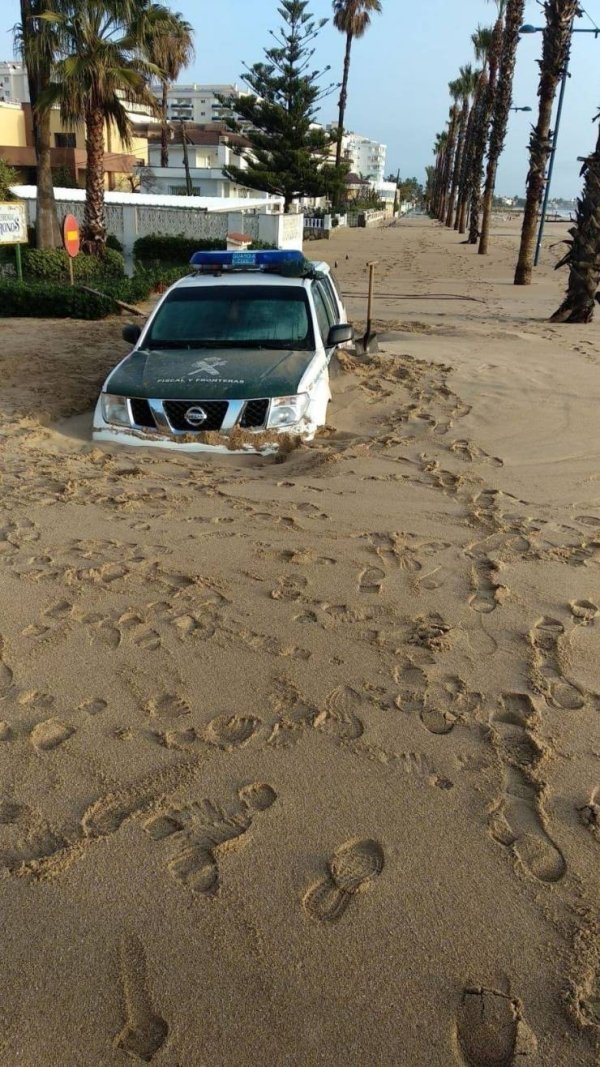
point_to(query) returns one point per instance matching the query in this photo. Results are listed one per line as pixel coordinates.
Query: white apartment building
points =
(198, 103)
(14, 88)
(367, 157)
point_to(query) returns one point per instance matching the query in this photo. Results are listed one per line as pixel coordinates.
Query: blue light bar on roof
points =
(269, 258)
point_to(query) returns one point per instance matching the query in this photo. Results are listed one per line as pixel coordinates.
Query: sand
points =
(300, 759)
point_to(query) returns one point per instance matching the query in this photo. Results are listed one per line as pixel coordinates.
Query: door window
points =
(325, 316)
(334, 300)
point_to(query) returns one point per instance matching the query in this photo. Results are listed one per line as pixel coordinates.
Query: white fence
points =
(317, 226)
(128, 219)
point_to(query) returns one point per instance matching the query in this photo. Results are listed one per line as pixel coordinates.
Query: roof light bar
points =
(273, 258)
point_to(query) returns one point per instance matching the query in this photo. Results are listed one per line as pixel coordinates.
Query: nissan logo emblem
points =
(196, 416)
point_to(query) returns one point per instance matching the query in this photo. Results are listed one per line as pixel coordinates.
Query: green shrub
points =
(156, 249)
(52, 265)
(42, 300)
(8, 177)
(113, 242)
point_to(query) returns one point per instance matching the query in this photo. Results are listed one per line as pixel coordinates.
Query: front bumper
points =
(231, 436)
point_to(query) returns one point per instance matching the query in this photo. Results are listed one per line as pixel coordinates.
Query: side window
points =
(324, 313)
(331, 295)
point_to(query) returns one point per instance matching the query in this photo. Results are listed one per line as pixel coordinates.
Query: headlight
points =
(287, 410)
(115, 410)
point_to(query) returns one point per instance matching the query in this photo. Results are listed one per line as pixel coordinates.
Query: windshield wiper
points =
(154, 345)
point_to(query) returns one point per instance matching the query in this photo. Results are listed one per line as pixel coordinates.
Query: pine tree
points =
(288, 154)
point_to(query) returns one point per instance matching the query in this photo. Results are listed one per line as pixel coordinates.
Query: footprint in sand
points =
(203, 829)
(6, 675)
(340, 717)
(518, 821)
(231, 731)
(583, 611)
(587, 520)
(447, 703)
(144, 1032)
(168, 706)
(590, 814)
(491, 1030)
(470, 452)
(50, 734)
(371, 579)
(488, 590)
(544, 640)
(290, 587)
(589, 997)
(93, 706)
(353, 866)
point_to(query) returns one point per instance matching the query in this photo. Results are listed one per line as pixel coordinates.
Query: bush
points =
(41, 300)
(113, 242)
(8, 177)
(52, 265)
(156, 249)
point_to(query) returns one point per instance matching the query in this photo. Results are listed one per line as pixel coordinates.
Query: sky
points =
(398, 90)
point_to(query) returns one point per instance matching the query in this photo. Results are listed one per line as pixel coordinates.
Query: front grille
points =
(142, 415)
(215, 411)
(255, 413)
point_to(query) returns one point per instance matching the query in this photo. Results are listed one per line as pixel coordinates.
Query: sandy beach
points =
(300, 755)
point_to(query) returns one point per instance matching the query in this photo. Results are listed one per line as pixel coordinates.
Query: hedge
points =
(52, 265)
(156, 249)
(160, 248)
(49, 301)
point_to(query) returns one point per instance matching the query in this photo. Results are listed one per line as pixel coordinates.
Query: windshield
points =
(230, 316)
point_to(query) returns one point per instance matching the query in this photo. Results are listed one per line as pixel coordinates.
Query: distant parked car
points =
(243, 343)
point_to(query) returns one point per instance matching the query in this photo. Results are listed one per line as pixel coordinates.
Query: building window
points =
(64, 140)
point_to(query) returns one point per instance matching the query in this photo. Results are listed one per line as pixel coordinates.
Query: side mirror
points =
(131, 333)
(340, 335)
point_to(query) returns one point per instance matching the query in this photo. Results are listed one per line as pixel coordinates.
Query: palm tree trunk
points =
(464, 170)
(555, 54)
(93, 231)
(460, 148)
(343, 99)
(448, 163)
(47, 228)
(583, 256)
(186, 162)
(164, 129)
(510, 40)
(38, 74)
(483, 132)
(474, 156)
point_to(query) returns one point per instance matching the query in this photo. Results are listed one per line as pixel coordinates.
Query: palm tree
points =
(467, 81)
(482, 125)
(502, 102)
(439, 151)
(102, 65)
(453, 115)
(35, 43)
(481, 39)
(560, 15)
(583, 256)
(353, 18)
(171, 52)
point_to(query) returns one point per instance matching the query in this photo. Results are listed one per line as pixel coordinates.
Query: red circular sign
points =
(71, 235)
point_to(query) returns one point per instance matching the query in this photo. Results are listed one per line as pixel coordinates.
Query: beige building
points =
(68, 153)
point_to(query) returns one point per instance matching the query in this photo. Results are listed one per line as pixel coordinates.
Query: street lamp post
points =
(554, 135)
